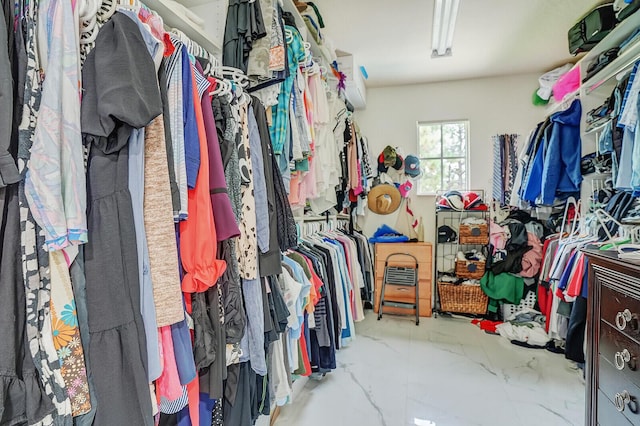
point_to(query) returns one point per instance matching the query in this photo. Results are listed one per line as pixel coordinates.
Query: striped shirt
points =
(173, 66)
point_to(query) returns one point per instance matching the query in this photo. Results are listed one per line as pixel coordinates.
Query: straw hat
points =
(384, 199)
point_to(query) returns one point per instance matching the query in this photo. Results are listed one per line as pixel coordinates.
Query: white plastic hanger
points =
(106, 10)
(87, 10)
(193, 48)
(223, 87)
(571, 201)
(132, 5)
(604, 218)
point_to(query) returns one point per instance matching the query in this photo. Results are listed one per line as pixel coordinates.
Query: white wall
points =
(492, 106)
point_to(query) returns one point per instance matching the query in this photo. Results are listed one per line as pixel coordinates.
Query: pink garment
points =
(532, 259)
(168, 384)
(193, 395)
(498, 237)
(294, 188)
(345, 242)
(568, 83)
(309, 180)
(405, 189)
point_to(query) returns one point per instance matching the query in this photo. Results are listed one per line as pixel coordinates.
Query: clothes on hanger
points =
(505, 166)
(551, 168)
(148, 254)
(562, 292)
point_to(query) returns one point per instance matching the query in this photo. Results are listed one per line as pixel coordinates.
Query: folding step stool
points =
(400, 276)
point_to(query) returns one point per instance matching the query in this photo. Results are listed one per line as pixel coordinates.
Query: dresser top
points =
(611, 257)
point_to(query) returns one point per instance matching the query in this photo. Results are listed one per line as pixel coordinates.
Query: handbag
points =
(625, 8)
(406, 221)
(592, 28)
(420, 229)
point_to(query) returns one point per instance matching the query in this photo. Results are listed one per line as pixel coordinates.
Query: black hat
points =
(446, 234)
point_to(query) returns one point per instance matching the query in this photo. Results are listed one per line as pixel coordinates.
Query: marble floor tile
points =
(443, 372)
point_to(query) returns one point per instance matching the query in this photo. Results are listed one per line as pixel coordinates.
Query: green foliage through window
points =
(442, 148)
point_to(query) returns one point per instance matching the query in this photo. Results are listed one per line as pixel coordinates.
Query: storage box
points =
(354, 85)
(470, 269)
(509, 309)
(474, 234)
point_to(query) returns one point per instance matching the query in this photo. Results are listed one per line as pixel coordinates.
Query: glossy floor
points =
(443, 372)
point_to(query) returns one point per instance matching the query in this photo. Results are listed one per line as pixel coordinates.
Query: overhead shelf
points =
(289, 6)
(622, 63)
(173, 17)
(614, 38)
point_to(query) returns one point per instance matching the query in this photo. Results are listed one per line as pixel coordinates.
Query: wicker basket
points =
(474, 234)
(469, 269)
(465, 299)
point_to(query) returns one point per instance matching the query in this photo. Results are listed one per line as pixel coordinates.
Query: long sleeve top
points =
(198, 245)
(55, 184)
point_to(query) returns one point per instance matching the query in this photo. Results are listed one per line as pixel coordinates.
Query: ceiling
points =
(492, 37)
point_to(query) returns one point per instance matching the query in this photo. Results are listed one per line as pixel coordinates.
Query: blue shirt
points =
(191, 138)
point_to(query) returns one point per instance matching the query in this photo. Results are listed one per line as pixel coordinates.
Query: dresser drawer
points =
(404, 294)
(621, 311)
(613, 382)
(399, 293)
(608, 415)
(421, 251)
(620, 351)
(424, 310)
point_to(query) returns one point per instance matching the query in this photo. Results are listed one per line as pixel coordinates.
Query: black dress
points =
(22, 398)
(120, 93)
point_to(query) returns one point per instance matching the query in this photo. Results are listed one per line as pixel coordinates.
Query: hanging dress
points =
(118, 67)
(35, 261)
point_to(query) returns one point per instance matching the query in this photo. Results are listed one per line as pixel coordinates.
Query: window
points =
(442, 148)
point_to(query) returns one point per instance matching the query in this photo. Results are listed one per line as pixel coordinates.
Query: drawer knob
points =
(622, 358)
(622, 399)
(622, 318)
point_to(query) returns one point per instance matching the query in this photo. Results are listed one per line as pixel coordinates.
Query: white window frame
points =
(442, 157)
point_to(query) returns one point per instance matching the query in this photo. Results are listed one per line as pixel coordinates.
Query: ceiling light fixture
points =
(445, 13)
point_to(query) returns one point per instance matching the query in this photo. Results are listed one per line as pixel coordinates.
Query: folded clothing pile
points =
(452, 279)
(601, 114)
(527, 326)
(516, 244)
(473, 221)
(472, 255)
(386, 234)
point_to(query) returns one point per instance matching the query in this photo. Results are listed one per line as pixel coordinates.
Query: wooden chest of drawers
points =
(613, 341)
(423, 252)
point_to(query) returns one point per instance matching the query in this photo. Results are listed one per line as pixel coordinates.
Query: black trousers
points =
(575, 335)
